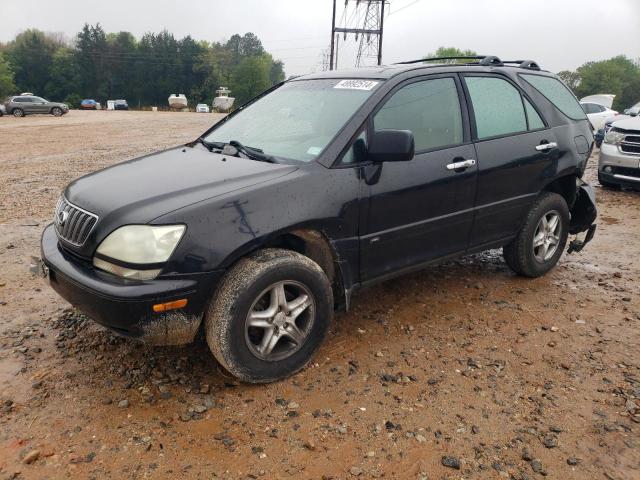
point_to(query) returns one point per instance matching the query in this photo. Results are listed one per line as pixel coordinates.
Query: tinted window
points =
(20, 99)
(497, 106)
(430, 109)
(535, 122)
(557, 93)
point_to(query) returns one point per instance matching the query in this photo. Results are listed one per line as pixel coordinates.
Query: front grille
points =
(631, 144)
(72, 223)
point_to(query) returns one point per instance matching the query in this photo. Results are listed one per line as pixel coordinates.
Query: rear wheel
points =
(18, 112)
(269, 315)
(542, 239)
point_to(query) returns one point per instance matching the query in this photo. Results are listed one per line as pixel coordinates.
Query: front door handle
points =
(543, 147)
(462, 165)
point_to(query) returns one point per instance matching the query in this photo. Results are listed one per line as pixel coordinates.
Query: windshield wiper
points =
(209, 146)
(252, 153)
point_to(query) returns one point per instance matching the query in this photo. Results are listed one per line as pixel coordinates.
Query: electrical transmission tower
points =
(364, 19)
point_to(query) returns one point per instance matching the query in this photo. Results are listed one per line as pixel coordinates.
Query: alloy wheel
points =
(547, 236)
(280, 321)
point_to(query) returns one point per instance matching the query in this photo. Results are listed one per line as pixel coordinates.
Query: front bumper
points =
(126, 306)
(617, 167)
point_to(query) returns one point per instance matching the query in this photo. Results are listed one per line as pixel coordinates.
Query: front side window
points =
(357, 151)
(557, 93)
(297, 120)
(430, 109)
(497, 107)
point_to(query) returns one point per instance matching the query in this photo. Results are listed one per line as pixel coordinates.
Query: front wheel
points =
(56, 112)
(269, 315)
(542, 239)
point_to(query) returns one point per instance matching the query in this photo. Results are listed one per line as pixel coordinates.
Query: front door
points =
(422, 209)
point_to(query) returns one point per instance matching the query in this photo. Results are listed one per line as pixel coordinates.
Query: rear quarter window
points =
(557, 93)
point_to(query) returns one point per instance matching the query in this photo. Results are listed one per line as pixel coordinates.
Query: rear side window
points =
(557, 93)
(497, 107)
(535, 122)
(429, 108)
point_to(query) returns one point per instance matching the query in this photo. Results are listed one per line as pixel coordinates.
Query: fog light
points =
(608, 169)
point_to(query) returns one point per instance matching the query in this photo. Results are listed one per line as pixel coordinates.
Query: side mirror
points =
(391, 146)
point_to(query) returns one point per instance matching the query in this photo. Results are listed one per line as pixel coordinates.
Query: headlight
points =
(613, 137)
(138, 251)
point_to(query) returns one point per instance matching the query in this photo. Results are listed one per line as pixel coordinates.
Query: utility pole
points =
(364, 19)
(333, 33)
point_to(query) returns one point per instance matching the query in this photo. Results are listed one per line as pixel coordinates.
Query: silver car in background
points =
(21, 105)
(619, 163)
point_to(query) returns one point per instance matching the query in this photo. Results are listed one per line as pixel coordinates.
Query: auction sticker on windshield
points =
(356, 84)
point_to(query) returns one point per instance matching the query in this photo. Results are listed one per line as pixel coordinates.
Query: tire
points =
(247, 296)
(56, 111)
(17, 112)
(604, 183)
(528, 260)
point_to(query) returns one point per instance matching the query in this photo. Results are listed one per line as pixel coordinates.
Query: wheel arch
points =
(565, 186)
(309, 241)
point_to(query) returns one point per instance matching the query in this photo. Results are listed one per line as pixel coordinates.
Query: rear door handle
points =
(464, 164)
(543, 147)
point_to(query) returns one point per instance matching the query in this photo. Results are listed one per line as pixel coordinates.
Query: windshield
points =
(297, 120)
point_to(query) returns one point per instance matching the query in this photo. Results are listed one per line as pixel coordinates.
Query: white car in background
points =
(202, 108)
(598, 109)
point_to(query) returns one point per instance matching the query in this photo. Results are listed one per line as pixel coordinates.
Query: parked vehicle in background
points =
(178, 101)
(88, 104)
(120, 105)
(3, 110)
(598, 109)
(628, 113)
(633, 111)
(257, 230)
(202, 108)
(21, 105)
(619, 163)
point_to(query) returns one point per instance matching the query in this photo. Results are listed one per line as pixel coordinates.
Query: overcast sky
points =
(559, 34)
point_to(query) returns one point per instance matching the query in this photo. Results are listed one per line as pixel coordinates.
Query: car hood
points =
(604, 99)
(630, 123)
(142, 189)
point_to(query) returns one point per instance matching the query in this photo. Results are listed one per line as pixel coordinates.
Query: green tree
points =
(570, 78)
(63, 75)
(452, 52)
(31, 55)
(619, 76)
(7, 86)
(251, 77)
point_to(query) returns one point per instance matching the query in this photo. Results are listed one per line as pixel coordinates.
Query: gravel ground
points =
(460, 371)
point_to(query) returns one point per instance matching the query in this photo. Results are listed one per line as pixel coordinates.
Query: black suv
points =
(257, 230)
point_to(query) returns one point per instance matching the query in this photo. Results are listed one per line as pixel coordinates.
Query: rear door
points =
(422, 209)
(515, 148)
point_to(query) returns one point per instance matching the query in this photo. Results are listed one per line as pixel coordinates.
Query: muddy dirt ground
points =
(460, 371)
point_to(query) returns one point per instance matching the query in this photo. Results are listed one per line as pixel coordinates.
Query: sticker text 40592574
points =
(356, 84)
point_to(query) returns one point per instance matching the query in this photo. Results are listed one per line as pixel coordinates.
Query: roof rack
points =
(485, 60)
(528, 64)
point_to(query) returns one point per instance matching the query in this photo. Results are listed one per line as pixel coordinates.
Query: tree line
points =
(619, 76)
(145, 71)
